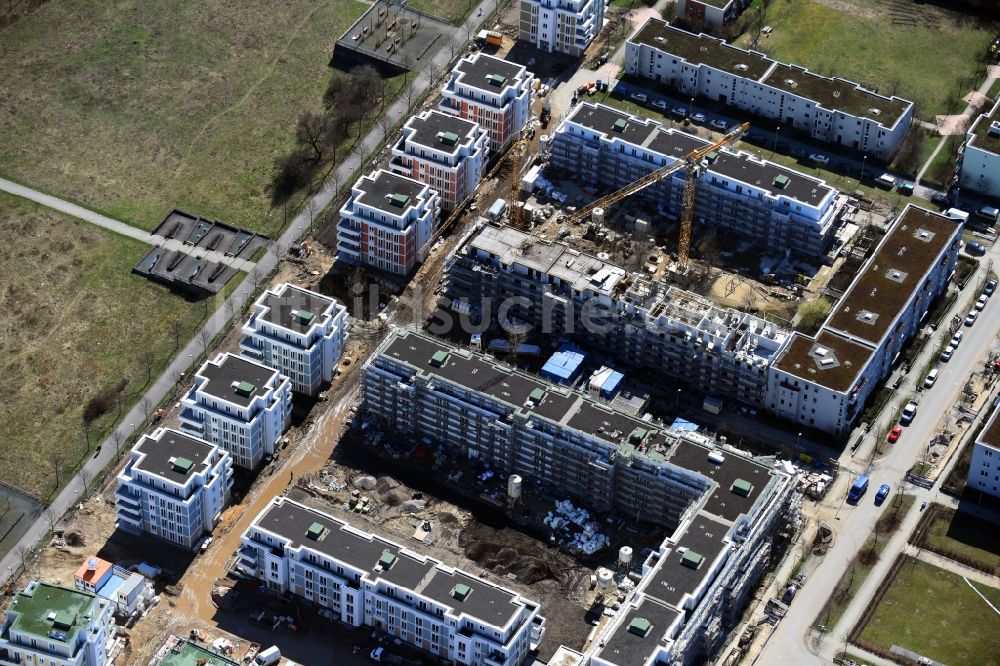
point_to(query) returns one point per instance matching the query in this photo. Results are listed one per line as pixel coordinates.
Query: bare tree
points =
(145, 405)
(177, 328)
(230, 305)
(147, 359)
(206, 338)
(87, 427)
(385, 124)
(57, 465)
(118, 438)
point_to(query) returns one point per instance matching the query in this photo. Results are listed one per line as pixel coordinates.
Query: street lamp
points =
(864, 159)
(774, 148)
(677, 403)
(691, 108)
(798, 449)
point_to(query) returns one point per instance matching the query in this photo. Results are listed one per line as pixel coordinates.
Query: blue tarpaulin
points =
(564, 365)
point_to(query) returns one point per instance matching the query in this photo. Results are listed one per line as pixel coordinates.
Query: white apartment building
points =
(829, 109)
(239, 405)
(770, 205)
(443, 151)
(984, 470)
(492, 92)
(174, 487)
(712, 14)
(366, 580)
(980, 157)
(823, 381)
(387, 222)
(49, 625)
(299, 333)
(561, 26)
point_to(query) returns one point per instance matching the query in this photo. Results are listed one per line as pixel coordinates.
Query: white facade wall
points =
(980, 159)
(146, 503)
(308, 358)
(561, 26)
(249, 433)
(984, 470)
(361, 597)
(89, 649)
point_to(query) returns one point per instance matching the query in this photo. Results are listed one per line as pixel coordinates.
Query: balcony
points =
(249, 347)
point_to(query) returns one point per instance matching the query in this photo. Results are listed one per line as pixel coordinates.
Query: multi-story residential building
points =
(980, 159)
(387, 222)
(644, 323)
(366, 580)
(49, 625)
(173, 487)
(492, 92)
(177, 651)
(721, 507)
(299, 333)
(443, 151)
(713, 15)
(823, 381)
(561, 26)
(829, 109)
(766, 203)
(239, 405)
(984, 470)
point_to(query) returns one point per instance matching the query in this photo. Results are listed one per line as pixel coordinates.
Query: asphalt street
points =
(219, 319)
(793, 642)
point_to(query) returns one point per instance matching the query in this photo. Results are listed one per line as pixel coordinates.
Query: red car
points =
(894, 434)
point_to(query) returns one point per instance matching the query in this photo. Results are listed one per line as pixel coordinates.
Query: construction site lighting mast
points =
(691, 162)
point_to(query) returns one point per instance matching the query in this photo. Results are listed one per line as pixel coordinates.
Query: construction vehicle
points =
(691, 162)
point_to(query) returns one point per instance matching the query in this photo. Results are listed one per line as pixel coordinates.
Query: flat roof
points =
(158, 455)
(385, 191)
(980, 130)
(52, 612)
(186, 653)
(884, 287)
(673, 578)
(85, 573)
(292, 306)
(675, 143)
(990, 434)
(829, 359)
(702, 48)
(228, 379)
(293, 521)
(628, 645)
(482, 71)
(836, 94)
(432, 129)
(725, 501)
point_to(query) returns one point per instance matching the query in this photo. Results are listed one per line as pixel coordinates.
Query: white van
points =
(268, 657)
(931, 378)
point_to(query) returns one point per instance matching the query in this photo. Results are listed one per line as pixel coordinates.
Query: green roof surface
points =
(190, 654)
(43, 608)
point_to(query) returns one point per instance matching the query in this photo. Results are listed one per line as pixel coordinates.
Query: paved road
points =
(121, 228)
(218, 320)
(789, 642)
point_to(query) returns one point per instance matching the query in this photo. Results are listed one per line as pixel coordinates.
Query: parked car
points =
(679, 111)
(982, 301)
(975, 249)
(990, 287)
(660, 104)
(638, 97)
(894, 434)
(970, 318)
(698, 117)
(940, 199)
(946, 353)
(908, 413)
(931, 378)
(819, 158)
(883, 492)
(720, 125)
(905, 188)
(956, 339)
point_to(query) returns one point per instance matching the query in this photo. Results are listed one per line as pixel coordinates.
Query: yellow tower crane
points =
(691, 161)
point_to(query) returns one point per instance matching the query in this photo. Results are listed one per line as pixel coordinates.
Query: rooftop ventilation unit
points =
(742, 487)
(781, 181)
(461, 592)
(716, 457)
(399, 200)
(692, 560)
(791, 83)
(303, 315)
(639, 626)
(448, 138)
(620, 125)
(994, 129)
(496, 80)
(182, 465)
(244, 389)
(387, 559)
(836, 93)
(874, 111)
(438, 359)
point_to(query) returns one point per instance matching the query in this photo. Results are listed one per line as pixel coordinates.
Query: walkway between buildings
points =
(103, 221)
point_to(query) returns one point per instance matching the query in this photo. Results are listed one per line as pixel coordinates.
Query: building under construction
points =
(722, 508)
(766, 203)
(644, 323)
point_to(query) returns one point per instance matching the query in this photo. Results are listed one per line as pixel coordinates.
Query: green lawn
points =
(936, 614)
(452, 11)
(859, 569)
(923, 61)
(74, 322)
(133, 108)
(953, 534)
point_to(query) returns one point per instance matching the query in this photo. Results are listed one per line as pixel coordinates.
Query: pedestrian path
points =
(121, 228)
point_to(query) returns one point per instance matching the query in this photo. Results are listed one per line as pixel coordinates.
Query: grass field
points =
(861, 567)
(936, 614)
(859, 41)
(957, 534)
(74, 322)
(452, 11)
(133, 108)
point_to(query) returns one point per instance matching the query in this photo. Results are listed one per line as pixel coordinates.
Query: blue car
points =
(883, 492)
(975, 249)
